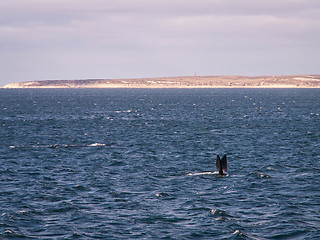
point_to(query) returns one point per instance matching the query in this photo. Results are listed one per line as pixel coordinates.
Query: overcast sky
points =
(81, 39)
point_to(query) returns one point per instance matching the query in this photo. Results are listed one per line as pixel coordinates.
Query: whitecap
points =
(201, 173)
(96, 144)
(237, 232)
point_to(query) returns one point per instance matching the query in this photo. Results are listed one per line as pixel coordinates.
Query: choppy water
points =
(138, 164)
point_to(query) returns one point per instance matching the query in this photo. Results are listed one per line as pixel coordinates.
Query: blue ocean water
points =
(140, 163)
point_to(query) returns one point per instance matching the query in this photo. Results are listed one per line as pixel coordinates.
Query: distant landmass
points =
(292, 81)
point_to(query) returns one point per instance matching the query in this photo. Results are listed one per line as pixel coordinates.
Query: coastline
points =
(168, 87)
(188, 82)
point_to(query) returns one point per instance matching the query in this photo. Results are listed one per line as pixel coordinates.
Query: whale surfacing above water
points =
(222, 165)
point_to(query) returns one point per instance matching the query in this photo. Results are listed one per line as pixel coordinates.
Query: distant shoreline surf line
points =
(138, 87)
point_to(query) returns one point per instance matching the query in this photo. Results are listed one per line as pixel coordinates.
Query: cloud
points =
(136, 38)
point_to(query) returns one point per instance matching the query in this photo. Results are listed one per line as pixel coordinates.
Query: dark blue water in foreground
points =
(130, 164)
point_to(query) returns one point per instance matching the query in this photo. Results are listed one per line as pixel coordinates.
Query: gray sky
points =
(80, 39)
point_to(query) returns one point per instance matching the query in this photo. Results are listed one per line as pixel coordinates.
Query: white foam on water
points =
(96, 145)
(201, 173)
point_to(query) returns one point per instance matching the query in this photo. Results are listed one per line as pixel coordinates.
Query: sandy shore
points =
(292, 81)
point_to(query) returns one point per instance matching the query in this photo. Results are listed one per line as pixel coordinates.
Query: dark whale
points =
(222, 165)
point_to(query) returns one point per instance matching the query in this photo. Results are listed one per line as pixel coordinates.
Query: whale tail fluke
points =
(222, 165)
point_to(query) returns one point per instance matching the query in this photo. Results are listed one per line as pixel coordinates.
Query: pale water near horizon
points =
(140, 164)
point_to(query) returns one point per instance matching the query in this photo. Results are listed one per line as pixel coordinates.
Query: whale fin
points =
(219, 166)
(222, 165)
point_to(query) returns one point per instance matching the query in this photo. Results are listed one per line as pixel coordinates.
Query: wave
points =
(201, 173)
(204, 173)
(60, 145)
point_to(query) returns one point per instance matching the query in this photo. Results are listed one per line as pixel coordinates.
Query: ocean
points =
(140, 163)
